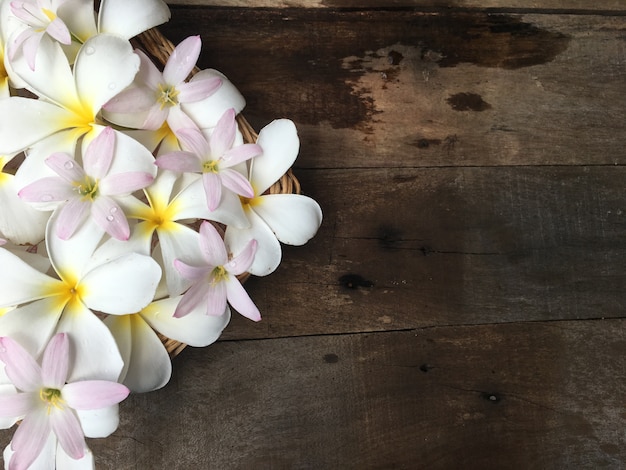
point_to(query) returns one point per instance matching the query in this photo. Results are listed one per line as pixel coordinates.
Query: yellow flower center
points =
(88, 188)
(218, 274)
(52, 398)
(210, 167)
(167, 95)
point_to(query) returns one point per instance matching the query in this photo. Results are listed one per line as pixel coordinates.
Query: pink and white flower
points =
(47, 404)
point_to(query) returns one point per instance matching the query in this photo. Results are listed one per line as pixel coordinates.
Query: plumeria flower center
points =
(52, 398)
(167, 95)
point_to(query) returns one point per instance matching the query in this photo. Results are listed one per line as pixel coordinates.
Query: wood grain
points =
(409, 88)
(517, 396)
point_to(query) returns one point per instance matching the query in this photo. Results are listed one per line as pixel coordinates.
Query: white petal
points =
(292, 217)
(195, 329)
(52, 78)
(129, 18)
(268, 254)
(280, 143)
(148, 365)
(93, 351)
(106, 64)
(45, 459)
(178, 242)
(66, 462)
(99, 423)
(25, 121)
(7, 389)
(32, 325)
(79, 17)
(123, 285)
(20, 283)
(207, 112)
(19, 221)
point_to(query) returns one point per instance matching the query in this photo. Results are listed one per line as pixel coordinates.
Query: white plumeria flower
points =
(147, 364)
(172, 202)
(46, 403)
(292, 219)
(84, 284)
(71, 98)
(158, 97)
(18, 220)
(215, 281)
(214, 158)
(39, 18)
(111, 170)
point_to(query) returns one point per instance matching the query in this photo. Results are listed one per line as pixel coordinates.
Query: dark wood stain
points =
(468, 102)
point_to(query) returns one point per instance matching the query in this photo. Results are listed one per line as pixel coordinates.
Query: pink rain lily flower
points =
(214, 159)
(39, 18)
(89, 192)
(160, 97)
(215, 281)
(47, 403)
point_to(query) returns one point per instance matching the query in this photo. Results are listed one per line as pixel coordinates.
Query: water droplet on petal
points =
(89, 50)
(113, 210)
(68, 165)
(112, 86)
(110, 218)
(46, 198)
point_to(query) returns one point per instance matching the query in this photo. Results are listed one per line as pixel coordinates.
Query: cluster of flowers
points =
(129, 204)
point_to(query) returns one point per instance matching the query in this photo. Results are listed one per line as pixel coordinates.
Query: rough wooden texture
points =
(581, 5)
(514, 396)
(463, 303)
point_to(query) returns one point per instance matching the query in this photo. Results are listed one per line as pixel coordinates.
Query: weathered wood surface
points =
(514, 396)
(561, 5)
(463, 303)
(405, 89)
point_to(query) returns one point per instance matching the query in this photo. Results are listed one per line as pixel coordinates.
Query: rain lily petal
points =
(292, 217)
(213, 189)
(193, 273)
(65, 166)
(67, 428)
(244, 259)
(179, 162)
(72, 215)
(16, 405)
(49, 189)
(237, 183)
(110, 217)
(216, 298)
(130, 100)
(223, 135)
(240, 154)
(97, 158)
(182, 60)
(280, 143)
(239, 299)
(196, 296)
(29, 439)
(20, 367)
(125, 183)
(94, 394)
(55, 364)
(198, 89)
(212, 246)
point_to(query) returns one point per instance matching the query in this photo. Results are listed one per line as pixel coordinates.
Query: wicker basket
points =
(157, 46)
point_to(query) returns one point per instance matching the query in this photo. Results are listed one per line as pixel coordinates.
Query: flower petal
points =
(29, 438)
(280, 143)
(240, 264)
(72, 215)
(212, 245)
(55, 362)
(198, 89)
(192, 273)
(216, 298)
(21, 283)
(128, 19)
(236, 182)
(58, 30)
(177, 242)
(19, 222)
(98, 155)
(24, 121)
(223, 135)
(99, 423)
(49, 190)
(79, 18)
(110, 217)
(123, 285)
(240, 154)
(94, 394)
(182, 60)
(93, 352)
(179, 162)
(17, 405)
(207, 112)
(268, 254)
(148, 363)
(195, 297)
(213, 189)
(20, 366)
(125, 183)
(64, 461)
(292, 217)
(134, 99)
(66, 167)
(195, 329)
(105, 65)
(239, 299)
(67, 428)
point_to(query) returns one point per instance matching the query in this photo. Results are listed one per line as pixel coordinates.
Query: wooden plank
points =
(406, 89)
(406, 248)
(517, 396)
(585, 5)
